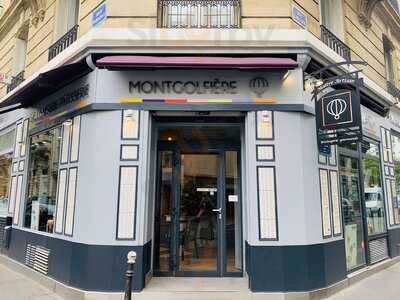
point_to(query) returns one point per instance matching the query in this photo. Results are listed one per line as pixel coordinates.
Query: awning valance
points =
(44, 85)
(195, 62)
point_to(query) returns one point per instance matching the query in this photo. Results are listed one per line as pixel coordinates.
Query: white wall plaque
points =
(267, 203)
(70, 207)
(76, 128)
(129, 152)
(325, 203)
(127, 202)
(265, 153)
(336, 212)
(62, 185)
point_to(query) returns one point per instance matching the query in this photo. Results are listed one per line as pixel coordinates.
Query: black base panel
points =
(87, 267)
(394, 242)
(295, 268)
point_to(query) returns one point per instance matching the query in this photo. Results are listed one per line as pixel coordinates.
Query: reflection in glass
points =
(5, 168)
(42, 182)
(198, 243)
(351, 209)
(163, 218)
(396, 190)
(233, 217)
(374, 201)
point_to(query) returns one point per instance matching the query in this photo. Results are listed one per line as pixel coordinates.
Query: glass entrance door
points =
(352, 211)
(198, 210)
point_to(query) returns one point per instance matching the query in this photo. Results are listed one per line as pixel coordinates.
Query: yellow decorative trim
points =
(131, 100)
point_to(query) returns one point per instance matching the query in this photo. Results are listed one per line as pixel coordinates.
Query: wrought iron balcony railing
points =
(393, 90)
(199, 13)
(335, 43)
(64, 42)
(15, 81)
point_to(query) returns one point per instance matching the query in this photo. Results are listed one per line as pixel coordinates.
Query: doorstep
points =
(175, 288)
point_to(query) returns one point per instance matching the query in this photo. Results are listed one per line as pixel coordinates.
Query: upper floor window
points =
(20, 52)
(199, 13)
(332, 27)
(388, 52)
(332, 17)
(67, 16)
(20, 56)
(67, 26)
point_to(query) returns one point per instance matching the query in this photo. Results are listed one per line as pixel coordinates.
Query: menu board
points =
(325, 205)
(265, 129)
(337, 220)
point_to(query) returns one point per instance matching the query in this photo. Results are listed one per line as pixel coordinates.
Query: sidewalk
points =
(14, 286)
(384, 285)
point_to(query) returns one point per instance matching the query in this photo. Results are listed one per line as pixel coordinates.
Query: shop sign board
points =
(338, 118)
(60, 104)
(190, 89)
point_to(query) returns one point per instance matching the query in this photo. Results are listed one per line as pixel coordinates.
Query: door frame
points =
(219, 148)
(357, 154)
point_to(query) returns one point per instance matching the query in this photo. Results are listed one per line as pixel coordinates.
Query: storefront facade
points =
(204, 173)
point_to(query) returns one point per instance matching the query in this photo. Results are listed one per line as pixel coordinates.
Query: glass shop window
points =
(6, 146)
(374, 201)
(42, 180)
(396, 189)
(5, 168)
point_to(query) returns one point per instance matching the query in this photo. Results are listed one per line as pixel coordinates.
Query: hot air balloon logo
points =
(336, 107)
(259, 85)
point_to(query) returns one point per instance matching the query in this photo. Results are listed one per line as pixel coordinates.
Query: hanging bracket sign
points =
(338, 118)
(338, 112)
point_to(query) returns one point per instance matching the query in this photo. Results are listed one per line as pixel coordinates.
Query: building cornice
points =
(212, 41)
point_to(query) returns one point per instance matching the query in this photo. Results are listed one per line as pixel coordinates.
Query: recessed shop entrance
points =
(198, 227)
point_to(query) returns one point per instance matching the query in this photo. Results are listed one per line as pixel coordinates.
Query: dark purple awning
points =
(44, 85)
(194, 62)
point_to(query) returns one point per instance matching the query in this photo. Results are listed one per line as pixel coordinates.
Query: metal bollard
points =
(129, 274)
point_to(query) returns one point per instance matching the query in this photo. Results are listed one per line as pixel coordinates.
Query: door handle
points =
(219, 211)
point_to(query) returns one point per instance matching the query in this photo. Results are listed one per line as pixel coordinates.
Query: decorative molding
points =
(22, 32)
(365, 8)
(37, 10)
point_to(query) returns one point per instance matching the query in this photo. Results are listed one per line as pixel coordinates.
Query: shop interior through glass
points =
(198, 209)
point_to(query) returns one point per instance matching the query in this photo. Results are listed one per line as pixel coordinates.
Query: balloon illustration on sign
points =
(336, 107)
(259, 85)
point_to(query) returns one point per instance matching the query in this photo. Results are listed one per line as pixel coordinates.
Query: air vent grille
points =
(378, 250)
(37, 258)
